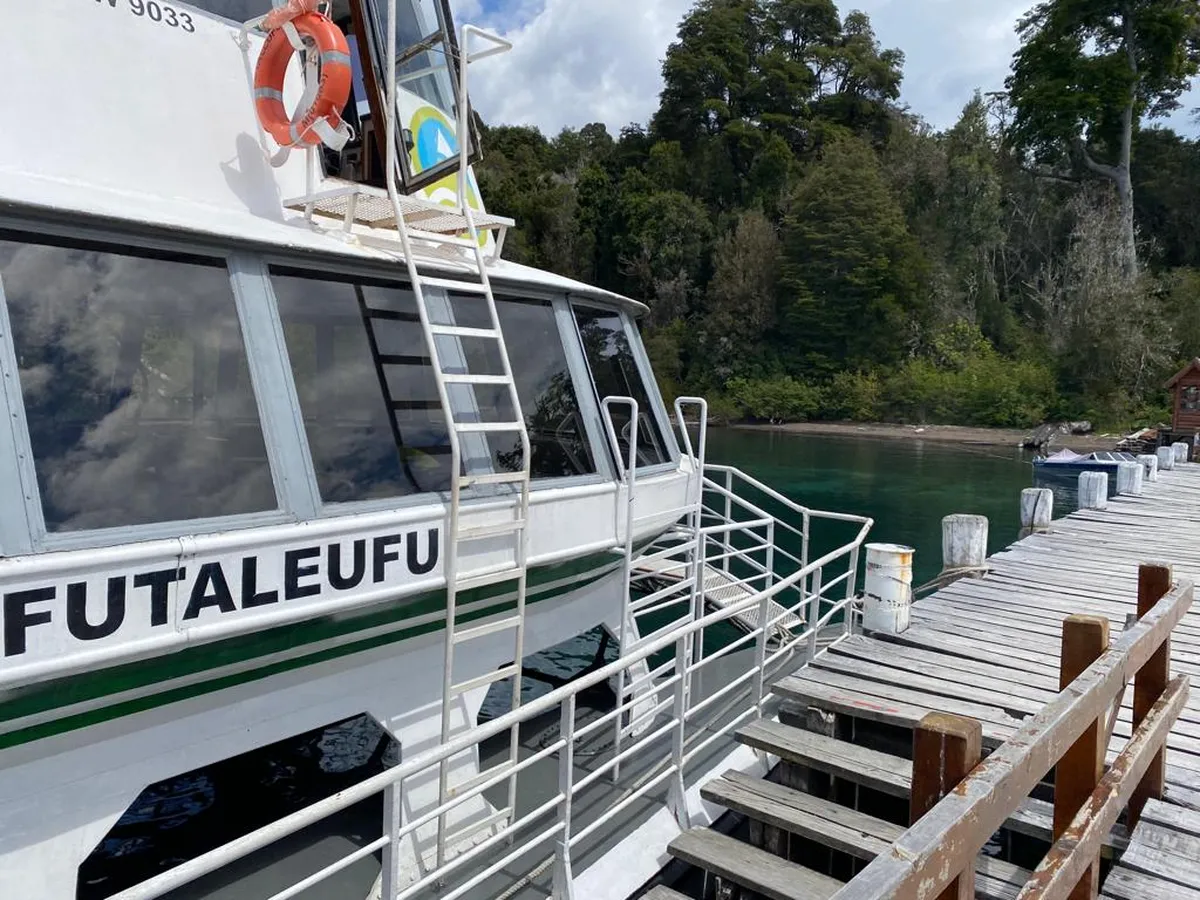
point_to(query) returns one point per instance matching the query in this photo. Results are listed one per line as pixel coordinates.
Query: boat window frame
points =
(383, 271)
(649, 383)
(22, 527)
(22, 522)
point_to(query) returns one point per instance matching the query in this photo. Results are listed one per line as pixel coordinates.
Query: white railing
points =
(662, 727)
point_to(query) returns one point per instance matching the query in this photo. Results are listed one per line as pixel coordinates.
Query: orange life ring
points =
(333, 91)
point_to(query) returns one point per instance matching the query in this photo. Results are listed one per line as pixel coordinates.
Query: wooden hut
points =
(1185, 387)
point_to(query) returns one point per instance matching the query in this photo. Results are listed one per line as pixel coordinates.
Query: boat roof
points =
(154, 128)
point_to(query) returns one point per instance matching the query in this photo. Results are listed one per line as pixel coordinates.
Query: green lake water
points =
(907, 487)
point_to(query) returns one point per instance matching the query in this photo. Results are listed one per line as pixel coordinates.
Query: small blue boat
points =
(1067, 462)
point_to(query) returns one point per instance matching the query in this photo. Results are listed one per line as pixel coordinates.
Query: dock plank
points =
(841, 828)
(751, 868)
(661, 892)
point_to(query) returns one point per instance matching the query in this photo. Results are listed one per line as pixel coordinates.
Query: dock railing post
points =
(945, 750)
(1037, 511)
(1093, 490)
(1084, 640)
(1154, 583)
(887, 591)
(964, 544)
(1166, 459)
(1129, 479)
(1150, 463)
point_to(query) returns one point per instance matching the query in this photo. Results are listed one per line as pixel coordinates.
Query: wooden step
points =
(881, 771)
(662, 892)
(751, 868)
(839, 827)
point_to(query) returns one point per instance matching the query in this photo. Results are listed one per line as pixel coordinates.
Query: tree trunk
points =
(1124, 182)
(1124, 173)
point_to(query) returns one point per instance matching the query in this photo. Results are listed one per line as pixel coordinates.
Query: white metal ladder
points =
(439, 335)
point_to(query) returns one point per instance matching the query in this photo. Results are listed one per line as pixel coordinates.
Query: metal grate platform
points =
(364, 205)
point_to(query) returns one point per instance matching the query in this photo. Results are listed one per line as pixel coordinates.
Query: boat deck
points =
(987, 649)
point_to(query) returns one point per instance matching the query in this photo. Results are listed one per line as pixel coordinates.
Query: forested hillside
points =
(810, 248)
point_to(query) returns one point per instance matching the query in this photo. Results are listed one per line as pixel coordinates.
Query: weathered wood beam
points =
(1075, 851)
(1084, 640)
(945, 751)
(1154, 581)
(931, 854)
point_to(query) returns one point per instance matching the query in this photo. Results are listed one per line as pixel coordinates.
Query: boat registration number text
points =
(156, 12)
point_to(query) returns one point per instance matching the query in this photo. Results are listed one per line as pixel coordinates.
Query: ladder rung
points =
(477, 379)
(460, 331)
(480, 532)
(484, 680)
(450, 284)
(497, 478)
(470, 582)
(479, 631)
(486, 775)
(488, 427)
(471, 828)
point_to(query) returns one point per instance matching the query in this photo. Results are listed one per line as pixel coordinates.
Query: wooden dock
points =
(987, 649)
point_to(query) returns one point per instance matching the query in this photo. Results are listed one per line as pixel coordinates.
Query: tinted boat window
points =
(616, 374)
(548, 400)
(136, 387)
(352, 434)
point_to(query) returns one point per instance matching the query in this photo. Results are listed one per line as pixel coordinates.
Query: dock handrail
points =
(940, 849)
(667, 724)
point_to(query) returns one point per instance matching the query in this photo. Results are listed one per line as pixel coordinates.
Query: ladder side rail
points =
(451, 529)
(522, 554)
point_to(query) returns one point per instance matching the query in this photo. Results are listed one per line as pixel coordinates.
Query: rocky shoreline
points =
(948, 434)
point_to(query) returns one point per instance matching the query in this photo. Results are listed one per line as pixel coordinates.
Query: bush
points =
(775, 400)
(972, 385)
(857, 396)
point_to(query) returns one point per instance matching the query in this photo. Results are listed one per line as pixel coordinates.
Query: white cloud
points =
(576, 62)
(580, 61)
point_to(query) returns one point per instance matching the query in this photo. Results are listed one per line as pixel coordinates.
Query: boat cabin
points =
(1185, 392)
(284, 441)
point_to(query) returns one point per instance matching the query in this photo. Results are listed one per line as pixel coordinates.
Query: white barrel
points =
(1093, 490)
(887, 595)
(1182, 452)
(1037, 510)
(1166, 459)
(1129, 479)
(1150, 464)
(964, 542)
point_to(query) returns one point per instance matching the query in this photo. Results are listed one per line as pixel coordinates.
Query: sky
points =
(581, 61)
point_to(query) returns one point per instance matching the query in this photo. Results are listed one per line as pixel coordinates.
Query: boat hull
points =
(82, 753)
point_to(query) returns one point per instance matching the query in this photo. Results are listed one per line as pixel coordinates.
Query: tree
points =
(851, 272)
(1088, 73)
(740, 302)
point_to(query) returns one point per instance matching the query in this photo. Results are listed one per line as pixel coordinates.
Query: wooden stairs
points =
(800, 814)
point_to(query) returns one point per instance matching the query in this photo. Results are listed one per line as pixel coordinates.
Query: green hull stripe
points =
(141, 704)
(66, 692)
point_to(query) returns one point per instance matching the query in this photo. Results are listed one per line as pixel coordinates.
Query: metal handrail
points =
(394, 778)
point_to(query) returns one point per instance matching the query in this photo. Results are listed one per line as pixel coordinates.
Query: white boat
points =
(296, 470)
